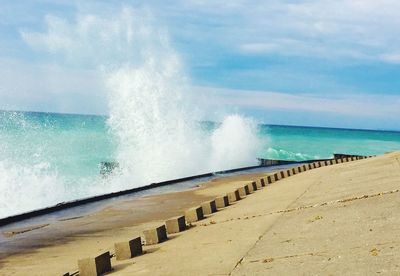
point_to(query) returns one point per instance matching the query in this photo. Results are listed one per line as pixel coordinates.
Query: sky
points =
(330, 63)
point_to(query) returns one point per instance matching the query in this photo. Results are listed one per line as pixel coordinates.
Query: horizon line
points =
(262, 123)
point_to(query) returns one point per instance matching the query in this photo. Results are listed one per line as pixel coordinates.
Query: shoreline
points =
(17, 218)
(94, 203)
(341, 181)
(116, 214)
(266, 165)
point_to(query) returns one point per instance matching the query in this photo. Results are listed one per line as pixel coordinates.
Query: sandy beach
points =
(336, 220)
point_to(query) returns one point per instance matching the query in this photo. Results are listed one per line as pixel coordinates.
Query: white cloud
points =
(359, 29)
(391, 58)
(96, 39)
(86, 49)
(367, 106)
(259, 48)
(365, 30)
(26, 86)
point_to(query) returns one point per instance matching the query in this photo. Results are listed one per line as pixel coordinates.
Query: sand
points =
(335, 220)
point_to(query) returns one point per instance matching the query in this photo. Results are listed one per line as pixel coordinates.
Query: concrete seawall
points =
(94, 199)
(230, 234)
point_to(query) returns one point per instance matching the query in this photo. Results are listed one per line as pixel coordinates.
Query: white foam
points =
(281, 154)
(26, 188)
(235, 143)
(156, 119)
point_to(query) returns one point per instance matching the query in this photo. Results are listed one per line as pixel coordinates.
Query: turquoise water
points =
(49, 158)
(72, 145)
(298, 143)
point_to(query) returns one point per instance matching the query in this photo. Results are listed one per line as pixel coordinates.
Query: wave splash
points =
(28, 187)
(154, 115)
(156, 119)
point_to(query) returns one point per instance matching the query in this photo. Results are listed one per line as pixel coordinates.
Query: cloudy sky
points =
(328, 63)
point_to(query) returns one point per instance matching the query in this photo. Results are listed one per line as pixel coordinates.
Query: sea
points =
(48, 158)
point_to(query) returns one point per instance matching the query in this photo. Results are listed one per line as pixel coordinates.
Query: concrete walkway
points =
(336, 220)
(315, 236)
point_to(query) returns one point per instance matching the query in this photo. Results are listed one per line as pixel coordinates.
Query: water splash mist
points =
(158, 121)
(154, 118)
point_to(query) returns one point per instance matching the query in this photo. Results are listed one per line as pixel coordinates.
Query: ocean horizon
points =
(266, 124)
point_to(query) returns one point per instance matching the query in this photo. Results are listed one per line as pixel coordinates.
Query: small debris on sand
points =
(269, 260)
(374, 252)
(315, 219)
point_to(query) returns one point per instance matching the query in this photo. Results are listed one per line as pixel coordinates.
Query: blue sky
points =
(319, 63)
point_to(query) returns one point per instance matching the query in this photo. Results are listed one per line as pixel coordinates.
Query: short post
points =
(250, 187)
(222, 201)
(176, 224)
(209, 207)
(156, 235)
(259, 184)
(95, 266)
(233, 196)
(242, 192)
(129, 249)
(254, 185)
(194, 214)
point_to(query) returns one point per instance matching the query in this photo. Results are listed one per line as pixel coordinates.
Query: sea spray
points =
(234, 143)
(281, 154)
(25, 178)
(48, 158)
(25, 188)
(157, 122)
(155, 118)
